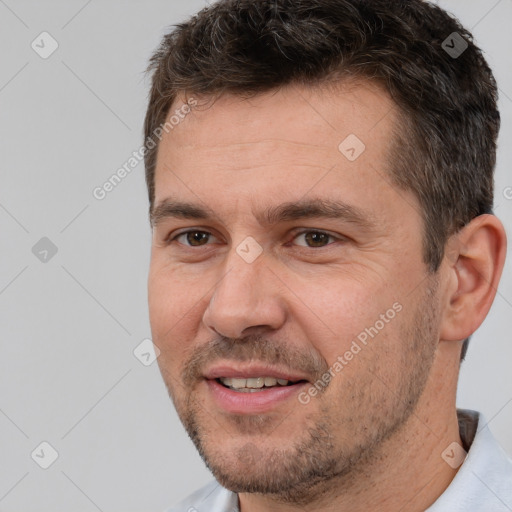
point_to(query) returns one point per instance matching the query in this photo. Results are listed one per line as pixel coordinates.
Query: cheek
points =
(170, 300)
(336, 314)
(176, 306)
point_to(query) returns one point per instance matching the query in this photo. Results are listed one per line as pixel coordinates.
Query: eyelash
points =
(169, 240)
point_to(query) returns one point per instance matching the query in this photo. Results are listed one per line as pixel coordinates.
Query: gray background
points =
(69, 326)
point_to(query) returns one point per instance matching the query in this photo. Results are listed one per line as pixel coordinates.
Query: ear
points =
(474, 262)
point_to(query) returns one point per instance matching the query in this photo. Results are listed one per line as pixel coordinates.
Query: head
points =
(349, 119)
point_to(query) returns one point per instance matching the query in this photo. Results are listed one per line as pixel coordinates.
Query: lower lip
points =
(237, 402)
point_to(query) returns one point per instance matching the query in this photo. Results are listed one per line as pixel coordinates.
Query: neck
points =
(406, 472)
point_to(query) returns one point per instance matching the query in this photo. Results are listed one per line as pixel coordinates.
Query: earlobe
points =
(475, 262)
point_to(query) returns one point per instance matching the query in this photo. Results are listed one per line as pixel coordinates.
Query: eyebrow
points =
(285, 212)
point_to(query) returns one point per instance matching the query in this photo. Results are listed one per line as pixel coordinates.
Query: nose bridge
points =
(244, 297)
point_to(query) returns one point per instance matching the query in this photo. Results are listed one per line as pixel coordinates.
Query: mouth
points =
(252, 389)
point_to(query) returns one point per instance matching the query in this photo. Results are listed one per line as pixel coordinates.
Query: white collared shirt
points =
(482, 484)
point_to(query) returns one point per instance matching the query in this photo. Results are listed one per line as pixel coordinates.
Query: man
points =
(320, 175)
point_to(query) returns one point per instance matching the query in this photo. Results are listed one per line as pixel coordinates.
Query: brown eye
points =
(193, 238)
(197, 237)
(315, 239)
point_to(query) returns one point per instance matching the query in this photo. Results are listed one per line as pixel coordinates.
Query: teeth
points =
(253, 383)
(238, 383)
(259, 382)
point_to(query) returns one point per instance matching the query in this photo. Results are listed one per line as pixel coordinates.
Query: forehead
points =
(280, 144)
(293, 114)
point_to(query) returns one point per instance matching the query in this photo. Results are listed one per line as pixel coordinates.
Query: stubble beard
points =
(318, 463)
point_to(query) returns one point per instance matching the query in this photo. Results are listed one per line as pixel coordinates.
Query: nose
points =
(246, 298)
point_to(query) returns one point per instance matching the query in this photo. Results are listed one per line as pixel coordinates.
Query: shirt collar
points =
(484, 481)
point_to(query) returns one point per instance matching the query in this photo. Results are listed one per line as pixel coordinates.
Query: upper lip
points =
(247, 371)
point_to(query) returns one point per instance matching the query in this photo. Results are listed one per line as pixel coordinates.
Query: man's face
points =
(342, 301)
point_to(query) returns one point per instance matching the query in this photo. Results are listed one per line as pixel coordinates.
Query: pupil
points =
(196, 236)
(317, 238)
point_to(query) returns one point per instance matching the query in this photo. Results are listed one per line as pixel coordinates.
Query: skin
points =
(376, 433)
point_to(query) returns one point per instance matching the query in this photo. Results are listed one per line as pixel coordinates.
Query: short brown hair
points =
(444, 150)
